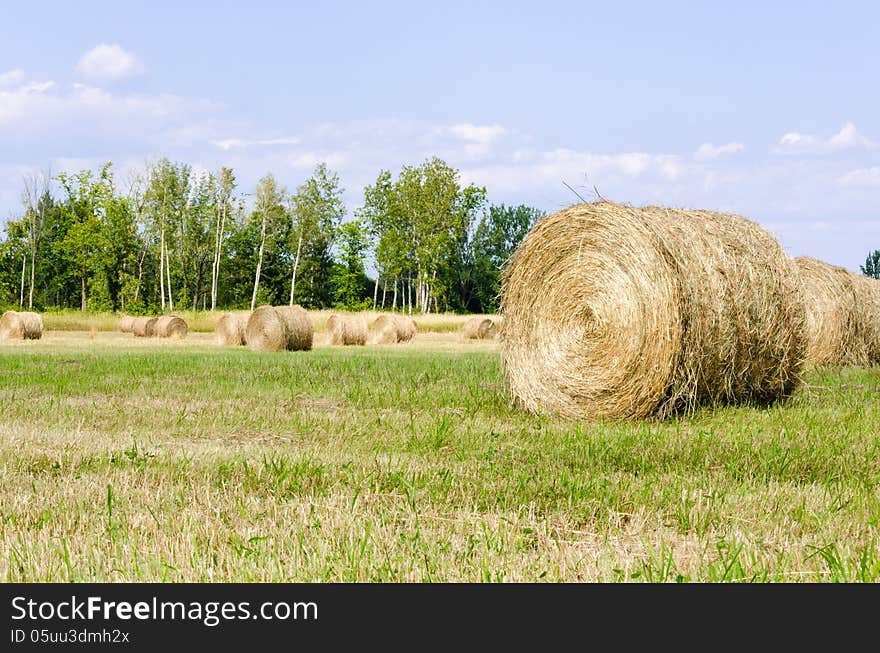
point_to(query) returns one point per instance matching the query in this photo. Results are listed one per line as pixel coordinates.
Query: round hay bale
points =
(623, 312)
(168, 326)
(144, 327)
(479, 328)
(279, 328)
(21, 325)
(406, 328)
(125, 323)
(346, 329)
(230, 329)
(867, 294)
(390, 329)
(830, 302)
(383, 331)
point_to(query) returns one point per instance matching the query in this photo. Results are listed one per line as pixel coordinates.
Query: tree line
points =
(169, 238)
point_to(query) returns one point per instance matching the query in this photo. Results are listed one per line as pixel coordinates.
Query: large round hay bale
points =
(831, 327)
(346, 329)
(279, 328)
(144, 327)
(125, 323)
(479, 328)
(171, 326)
(406, 328)
(390, 329)
(21, 325)
(230, 329)
(867, 293)
(617, 311)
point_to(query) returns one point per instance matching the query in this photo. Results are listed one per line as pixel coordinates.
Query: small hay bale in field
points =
(279, 328)
(144, 327)
(830, 302)
(390, 329)
(347, 329)
(623, 312)
(125, 323)
(230, 329)
(21, 325)
(479, 328)
(867, 293)
(168, 326)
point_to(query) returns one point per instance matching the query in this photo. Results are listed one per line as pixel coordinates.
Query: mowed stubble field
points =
(128, 459)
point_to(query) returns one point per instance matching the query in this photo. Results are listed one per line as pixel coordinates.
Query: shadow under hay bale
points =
(624, 312)
(279, 328)
(479, 328)
(230, 329)
(171, 326)
(21, 325)
(346, 329)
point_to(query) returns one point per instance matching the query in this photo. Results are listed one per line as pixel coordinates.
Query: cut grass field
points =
(126, 459)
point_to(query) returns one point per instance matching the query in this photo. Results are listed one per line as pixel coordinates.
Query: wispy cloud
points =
(861, 178)
(847, 138)
(108, 62)
(12, 77)
(710, 151)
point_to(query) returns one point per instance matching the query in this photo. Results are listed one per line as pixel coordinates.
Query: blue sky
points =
(769, 111)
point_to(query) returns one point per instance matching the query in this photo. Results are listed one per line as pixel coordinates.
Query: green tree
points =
(497, 236)
(316, 210)
(269, 212)
(85, 244)
(871, 268)
(353, 241)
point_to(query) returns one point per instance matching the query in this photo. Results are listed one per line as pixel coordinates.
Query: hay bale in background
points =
(21, 325)
(230, 329)
(279, 328)
(830, 302)
(616, 311)
(144, 327)
(168, 326)
(479, 328)
(346, 329)
(125, 323)
(390, 329)
(867, 294)
(406, 328)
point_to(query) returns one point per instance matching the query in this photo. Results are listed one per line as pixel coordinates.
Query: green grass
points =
(195, 463)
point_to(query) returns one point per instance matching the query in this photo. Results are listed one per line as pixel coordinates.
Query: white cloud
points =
(863, 177)
(108, 62)
(239, 143)
(710, 151)
(846, 139)
(848, 136)
(479, 139)
(12, 77)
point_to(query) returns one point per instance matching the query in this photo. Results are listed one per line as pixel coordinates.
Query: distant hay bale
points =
(168, 326)
(390, 329)
(831, 325)
(479, 328)
(867, 293)
(21, 325)
(279, 328)
(144, 327)
(125, 323)
(406, 328)
(347, 329)
(230, 329)
(623, 312)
